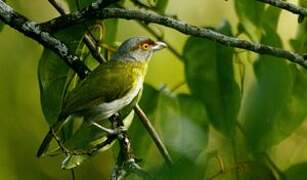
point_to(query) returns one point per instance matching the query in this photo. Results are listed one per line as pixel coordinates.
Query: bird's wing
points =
(106, 84)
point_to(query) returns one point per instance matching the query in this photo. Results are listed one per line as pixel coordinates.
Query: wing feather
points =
(106, 83)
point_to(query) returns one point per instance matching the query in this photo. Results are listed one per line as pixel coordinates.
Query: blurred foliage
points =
(231, 116)
(219, 75)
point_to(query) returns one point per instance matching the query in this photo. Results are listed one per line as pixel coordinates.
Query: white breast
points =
(106, 110)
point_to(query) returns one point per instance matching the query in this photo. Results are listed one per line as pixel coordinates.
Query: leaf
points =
(274, 101)
(53, 73)
(210, 74)
(267, 98)
(297, 171)
(299, 44)
(181, 169)
(271, 15)
(250, 15)
(161, 6)
(256, 170)
(111, 30)
(72, 4)
(183, 125)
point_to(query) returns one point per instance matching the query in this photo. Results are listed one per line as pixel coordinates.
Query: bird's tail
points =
(53, 130)
(45, 144)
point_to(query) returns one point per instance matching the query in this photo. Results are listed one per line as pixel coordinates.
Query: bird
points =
(109, 88)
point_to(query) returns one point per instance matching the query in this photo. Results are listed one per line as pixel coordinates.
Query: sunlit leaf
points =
(210, 74)
(271, 15)
(250, 15)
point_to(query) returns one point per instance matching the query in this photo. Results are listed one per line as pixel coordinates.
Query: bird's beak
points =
(159, 45)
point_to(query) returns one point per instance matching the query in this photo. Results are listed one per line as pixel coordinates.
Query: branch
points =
(156, 35)
(287, 6)
(153, 134)
(126, 162)
(57, 6)
(87, 39)
(148, 17)
(34, 31)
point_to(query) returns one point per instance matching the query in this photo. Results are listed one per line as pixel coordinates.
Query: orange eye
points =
(145, 46)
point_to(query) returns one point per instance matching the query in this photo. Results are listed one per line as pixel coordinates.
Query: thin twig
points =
(153, 134)
(156, 35)
(149, 17)
(275, 167)
(93, 49)
(57, 6)
(177, 86)
(287, 6)
(87, 39)
(73, 174)
(221, 166)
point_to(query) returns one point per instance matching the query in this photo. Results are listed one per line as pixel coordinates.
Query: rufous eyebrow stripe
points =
(147, 41)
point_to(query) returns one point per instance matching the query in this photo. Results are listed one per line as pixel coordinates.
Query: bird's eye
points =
(145, 46)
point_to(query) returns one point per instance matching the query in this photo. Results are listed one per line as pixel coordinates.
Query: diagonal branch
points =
(148, 17)
(34, 31)
(153, 134)
(287, 6)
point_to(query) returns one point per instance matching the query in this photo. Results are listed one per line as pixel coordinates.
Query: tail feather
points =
(48, 138)
(45, 144)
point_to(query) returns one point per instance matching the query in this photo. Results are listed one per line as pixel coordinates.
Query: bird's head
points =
(137, 49)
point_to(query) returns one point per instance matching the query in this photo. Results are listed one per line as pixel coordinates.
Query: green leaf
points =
(256, 170)
(299, 44)
(111, 30)
(268, 89)
(83, 3)
(250, 14)
(271, 15)
(183, 125)
(182, 169)
(210, 74)
(274, 97)
(297, 171)
(161, 6)
(53, 73)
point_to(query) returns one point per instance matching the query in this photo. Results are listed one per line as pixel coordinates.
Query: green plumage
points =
(110, 88)
(106, 83)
